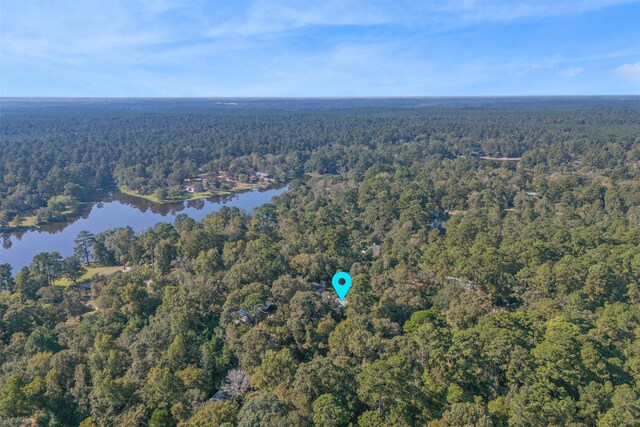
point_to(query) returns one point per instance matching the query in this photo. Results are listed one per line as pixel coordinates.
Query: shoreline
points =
(194, 196)
(29, 221)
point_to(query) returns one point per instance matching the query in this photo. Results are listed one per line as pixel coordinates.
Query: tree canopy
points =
(486, 292)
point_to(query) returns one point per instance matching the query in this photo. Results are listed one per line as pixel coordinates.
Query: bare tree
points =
(236, 383)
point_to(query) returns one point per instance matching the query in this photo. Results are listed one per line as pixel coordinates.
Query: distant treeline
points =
(53, 149)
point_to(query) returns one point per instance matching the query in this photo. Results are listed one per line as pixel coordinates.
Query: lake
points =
(117, 210)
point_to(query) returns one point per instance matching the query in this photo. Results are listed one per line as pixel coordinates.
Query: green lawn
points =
(32, 220)
(241, 186)
(154, 199)
(189, 196)
(27, 221)
(91, 272)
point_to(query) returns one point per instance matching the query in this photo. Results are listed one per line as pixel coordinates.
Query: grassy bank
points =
(190, 196)
(31, 221)
(91, 272)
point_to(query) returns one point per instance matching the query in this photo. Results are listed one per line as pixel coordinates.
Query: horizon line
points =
(322, 97)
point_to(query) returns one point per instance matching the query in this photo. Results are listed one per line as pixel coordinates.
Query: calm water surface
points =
(118, 210)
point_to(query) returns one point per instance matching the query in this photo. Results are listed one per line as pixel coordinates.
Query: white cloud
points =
(572, 72)
(264, 17)
(272, 17)
(629, 71)
(377, 47)
(470, 12)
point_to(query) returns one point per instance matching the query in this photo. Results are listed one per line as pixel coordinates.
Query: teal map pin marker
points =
(341, 288)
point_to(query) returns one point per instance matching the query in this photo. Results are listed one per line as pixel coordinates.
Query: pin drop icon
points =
(341, 282)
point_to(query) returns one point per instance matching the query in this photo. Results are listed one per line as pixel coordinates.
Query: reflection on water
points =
(117, 210)
(6, 242)
(164, 209)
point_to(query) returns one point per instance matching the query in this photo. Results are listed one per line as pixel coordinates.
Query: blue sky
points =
(318, 48)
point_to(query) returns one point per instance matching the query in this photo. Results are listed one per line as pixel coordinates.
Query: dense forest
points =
(494, 247)
(55, 155)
